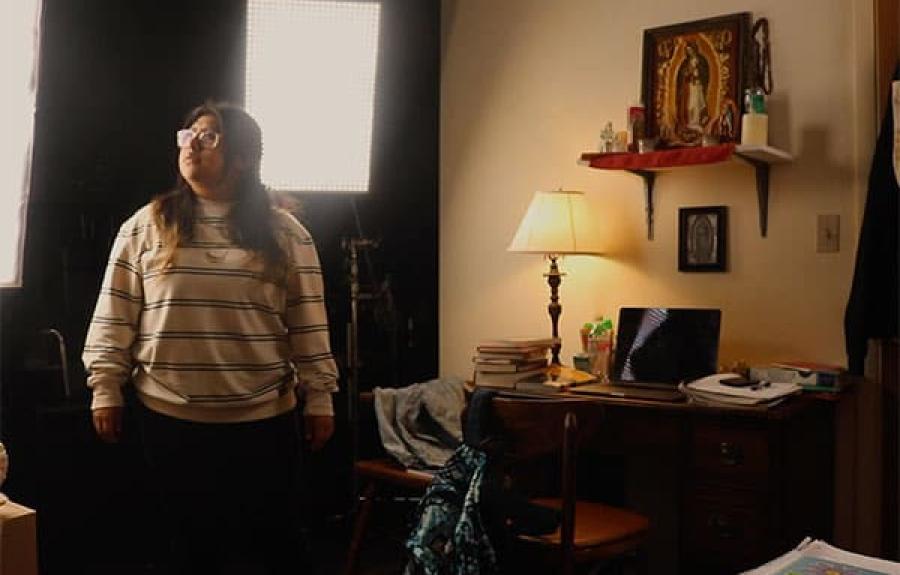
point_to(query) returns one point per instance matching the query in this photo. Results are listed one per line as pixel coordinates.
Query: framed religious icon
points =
(701, 239)
(693, 80)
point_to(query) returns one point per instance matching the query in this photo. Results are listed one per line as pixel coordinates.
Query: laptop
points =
(658, 348)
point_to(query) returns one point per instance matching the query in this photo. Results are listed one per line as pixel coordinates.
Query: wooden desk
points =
(748, 485)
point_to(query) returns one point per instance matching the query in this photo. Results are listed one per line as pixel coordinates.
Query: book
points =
(517, 342)
(511, 351)
(504, 380)
(509, 367)
(515, 345)
(816, 557)
(510, 356)
(536, 386)
(811, 366)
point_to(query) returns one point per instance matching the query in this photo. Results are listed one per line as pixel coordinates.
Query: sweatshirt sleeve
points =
(107, 349)
(307, 322)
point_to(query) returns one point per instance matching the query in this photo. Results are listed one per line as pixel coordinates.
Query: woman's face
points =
(202, 160)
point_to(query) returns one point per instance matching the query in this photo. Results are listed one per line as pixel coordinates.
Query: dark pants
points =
(230, 493)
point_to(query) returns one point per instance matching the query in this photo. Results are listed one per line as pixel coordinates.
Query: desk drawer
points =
(741, 453)
(717, 528)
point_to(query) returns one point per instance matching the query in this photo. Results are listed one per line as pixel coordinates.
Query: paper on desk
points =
(816, 556)
(712, 386)
(715, 400)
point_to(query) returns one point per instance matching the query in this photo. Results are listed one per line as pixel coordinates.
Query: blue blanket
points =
(420, 424)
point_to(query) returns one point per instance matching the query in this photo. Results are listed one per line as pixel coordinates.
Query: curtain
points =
(872, 310)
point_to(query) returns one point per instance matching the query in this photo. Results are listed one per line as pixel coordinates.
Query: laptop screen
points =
(666, 345)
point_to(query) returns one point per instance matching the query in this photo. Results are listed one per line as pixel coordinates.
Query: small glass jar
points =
(754, 101)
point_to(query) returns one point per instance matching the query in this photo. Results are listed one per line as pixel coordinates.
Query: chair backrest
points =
(532, 428)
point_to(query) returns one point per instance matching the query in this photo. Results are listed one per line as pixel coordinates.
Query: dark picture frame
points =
(693, 79)
(702, 235)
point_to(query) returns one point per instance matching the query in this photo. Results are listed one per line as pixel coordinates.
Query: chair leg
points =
(637, 563)
(359, 528)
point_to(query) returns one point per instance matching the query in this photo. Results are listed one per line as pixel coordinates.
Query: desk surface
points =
(790, 407)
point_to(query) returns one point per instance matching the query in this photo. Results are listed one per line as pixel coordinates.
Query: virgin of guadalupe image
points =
(701, 238)
(692, 82)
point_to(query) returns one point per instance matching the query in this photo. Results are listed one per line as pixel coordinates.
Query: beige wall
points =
(527, 85)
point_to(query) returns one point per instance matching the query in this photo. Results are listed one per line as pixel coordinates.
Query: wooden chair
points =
(590, 532)
(379, 477)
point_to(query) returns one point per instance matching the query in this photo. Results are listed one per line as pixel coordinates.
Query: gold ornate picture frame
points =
(693, 76)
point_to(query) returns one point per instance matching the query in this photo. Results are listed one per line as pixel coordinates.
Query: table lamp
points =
(556, 223)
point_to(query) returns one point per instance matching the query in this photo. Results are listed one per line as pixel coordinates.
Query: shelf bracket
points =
(649, 178)
(762, 190)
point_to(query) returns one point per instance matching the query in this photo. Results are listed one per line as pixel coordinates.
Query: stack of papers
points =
(817, 557)
(710, 390)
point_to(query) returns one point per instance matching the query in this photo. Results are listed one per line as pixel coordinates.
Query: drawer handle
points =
(723, 527)
(730, 454)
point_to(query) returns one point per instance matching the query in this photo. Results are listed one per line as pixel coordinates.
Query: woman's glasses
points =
(206, 138)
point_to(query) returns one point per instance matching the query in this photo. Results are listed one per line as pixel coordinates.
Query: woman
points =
(212, 305)
(693, 79)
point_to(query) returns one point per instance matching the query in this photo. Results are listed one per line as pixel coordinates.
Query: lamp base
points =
(554, 278)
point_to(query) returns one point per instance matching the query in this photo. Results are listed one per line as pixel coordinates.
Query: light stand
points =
(352, 246)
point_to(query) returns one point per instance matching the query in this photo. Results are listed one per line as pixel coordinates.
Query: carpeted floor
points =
(382, 551)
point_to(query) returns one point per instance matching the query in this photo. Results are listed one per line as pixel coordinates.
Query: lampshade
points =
(557, 223)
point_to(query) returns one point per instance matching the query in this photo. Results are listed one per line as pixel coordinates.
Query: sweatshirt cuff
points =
(107, 395)
(318, 403)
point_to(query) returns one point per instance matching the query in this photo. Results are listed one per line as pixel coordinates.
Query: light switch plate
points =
(828, 233)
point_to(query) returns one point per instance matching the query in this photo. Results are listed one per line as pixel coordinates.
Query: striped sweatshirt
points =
(208, 339)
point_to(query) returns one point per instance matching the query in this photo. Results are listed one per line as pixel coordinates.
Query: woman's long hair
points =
(250, 221)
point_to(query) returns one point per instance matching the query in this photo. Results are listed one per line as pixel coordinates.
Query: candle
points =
(755, 129)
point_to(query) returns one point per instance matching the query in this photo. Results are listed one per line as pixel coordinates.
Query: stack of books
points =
(506, 361)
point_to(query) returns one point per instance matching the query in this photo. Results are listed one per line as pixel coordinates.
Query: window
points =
(18, 68)
(310, 83)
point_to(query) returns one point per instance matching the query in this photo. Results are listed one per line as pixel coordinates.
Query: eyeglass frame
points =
(199, 135)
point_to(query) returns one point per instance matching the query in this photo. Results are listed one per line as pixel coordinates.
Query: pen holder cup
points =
(599, 351)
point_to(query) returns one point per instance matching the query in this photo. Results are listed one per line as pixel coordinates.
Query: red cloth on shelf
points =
(660, 159)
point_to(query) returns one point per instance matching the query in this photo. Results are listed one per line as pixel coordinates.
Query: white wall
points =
(527, 85)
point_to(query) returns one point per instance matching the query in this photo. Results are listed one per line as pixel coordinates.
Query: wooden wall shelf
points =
(648, 164)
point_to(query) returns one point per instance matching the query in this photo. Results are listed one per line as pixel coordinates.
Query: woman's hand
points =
(318, 430)
(108, 423)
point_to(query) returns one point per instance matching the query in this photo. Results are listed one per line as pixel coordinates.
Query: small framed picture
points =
(701, 239)
(693, 80)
